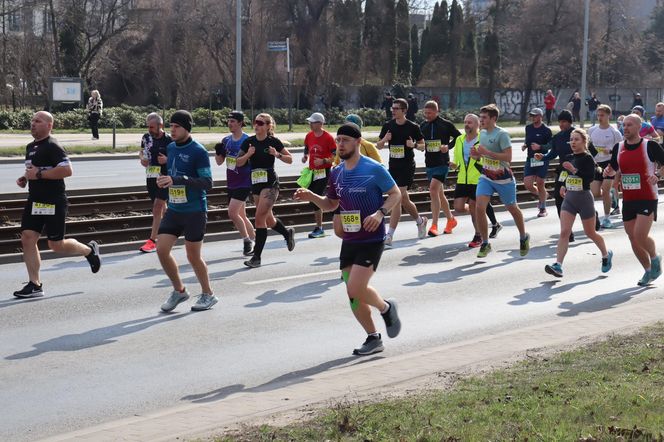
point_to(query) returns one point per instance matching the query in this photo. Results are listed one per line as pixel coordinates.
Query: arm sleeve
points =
(655, 152)
(383, 131)
(417, 134)
(614, 157)
(587, 168)
(204, 179)
(244, 148)
(591, 148)
(220, 148)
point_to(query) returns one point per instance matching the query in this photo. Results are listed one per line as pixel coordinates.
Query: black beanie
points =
(350, 129)
(182, 118)
(565, 115)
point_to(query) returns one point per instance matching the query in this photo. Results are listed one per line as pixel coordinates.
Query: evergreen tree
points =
(404, 62)
(415, 55)
(454, 49)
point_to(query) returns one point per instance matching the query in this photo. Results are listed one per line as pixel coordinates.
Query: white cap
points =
(316, 117)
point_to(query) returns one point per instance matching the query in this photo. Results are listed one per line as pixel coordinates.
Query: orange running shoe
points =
(149, 246)
(451, 224)
(433, 231)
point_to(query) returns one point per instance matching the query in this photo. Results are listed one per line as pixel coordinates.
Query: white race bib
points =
(631, 181)
(153, 171)
(319, 174)
(490, 164)
(433, 146)
(350, 219)
(177, 195)
(397, 151)
(536, 163)
(43, 209)
(258, 176)
(231, 163)
(574, 183)
(563, 176)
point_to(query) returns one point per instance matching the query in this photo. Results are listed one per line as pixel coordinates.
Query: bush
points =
(6, 120)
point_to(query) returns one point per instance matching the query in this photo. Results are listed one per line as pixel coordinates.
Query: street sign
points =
(614, 97)
(277, 46)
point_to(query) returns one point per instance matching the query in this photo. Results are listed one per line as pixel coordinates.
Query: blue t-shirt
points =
(236, 177)
(657, 122)
(359, 191)
(193, 161)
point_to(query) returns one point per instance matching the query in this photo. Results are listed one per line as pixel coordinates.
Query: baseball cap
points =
(356, 119)
(565, 115)
(536, 111)
(316, 117)
(236, 115)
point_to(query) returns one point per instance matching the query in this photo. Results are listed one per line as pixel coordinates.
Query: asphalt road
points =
(96, 347)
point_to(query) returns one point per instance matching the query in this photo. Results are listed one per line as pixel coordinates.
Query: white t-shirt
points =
(604, 140)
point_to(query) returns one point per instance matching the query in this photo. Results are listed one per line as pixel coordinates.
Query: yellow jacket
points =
(467, 173)
(367, 148)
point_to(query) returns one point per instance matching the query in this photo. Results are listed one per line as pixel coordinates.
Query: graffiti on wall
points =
(509, 101)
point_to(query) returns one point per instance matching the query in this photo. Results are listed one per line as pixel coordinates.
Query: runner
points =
(238, 180)
(438, 135)
(637, 161)
(260, 151)
(46, 167)
(657, 120)
(367, 149)
(402, 136)
(647, 129)
(468, 176)
(495, 150)
(537, 134)
(578, 200)
(319, 149)
(559, 147)
(188, 181)
(603, 137)
(362, 244)
(153, 158)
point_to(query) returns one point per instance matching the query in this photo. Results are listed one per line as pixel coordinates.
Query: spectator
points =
(575, 101)
(550, 105)
(387, 105)
(412, 107)
(637, 100)
(95, 109)
(592, 104)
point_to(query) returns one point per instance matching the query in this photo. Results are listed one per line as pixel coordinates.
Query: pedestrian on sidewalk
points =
(95, 109)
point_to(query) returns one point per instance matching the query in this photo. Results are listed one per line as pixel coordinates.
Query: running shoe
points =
(248, 248)
(571, 237)
(373, 344)
(554, 269)
(387, 240)
(524, 245)
(391, 318)
(290, 239)
(205, 302)
(476, 242)
(607, 262)
(433, 231)
(495, 229)
(597, 223)
(614, 199)
(451, 224)
(606, 223)
(485, 249)
(616, 211)
(422, 227)
(542, 212)
(317, 233)
(645, 279)
(93, 257)
(31, 290)
(175, 299)
(253, 262)
(656, 269)
(149, 246)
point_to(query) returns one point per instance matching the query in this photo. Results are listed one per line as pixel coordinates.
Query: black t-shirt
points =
(400, 153)
(440, 131)
(152, 147)
(46, 154)
(655, 152)
(585, 165)
(261, 159)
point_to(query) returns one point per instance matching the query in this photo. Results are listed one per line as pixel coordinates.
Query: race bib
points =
(397, 151)
(258, 176)
(603, 150)
(319, 174)
(43, 209)
(231, 163)
(563, 176)
(433, 146)
(490, 164)
(536, 163)
(153, 171)
(631, 181)
(350, 219)
(574, 183)
(177, 195)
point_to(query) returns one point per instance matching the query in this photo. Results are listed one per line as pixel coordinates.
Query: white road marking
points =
(288, 278)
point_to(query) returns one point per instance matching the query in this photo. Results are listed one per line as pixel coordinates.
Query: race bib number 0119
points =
(43, 209)
(177, 194)
(350, 220)
(631, 181)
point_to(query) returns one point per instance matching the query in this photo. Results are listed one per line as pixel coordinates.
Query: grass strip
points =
(608, 391)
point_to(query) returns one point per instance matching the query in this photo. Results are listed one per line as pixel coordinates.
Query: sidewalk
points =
(381, 374)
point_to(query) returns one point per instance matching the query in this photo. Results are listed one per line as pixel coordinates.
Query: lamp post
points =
(584, 67)
(238, 56)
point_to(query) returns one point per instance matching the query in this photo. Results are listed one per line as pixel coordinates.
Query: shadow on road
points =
(547, 289)
(105, 261)
(95, 337)
(183, 268)
(455, 274)
(16, 301)
(434, 255)
(304, 292)
(601, 302)
(292, 378)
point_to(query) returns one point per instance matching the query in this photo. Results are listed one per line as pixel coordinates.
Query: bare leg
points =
(165, 243)
(31, 255)
(158, 210)
(200, 267)
(566, 223)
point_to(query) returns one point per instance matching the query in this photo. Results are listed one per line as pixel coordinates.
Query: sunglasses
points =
(260, 123)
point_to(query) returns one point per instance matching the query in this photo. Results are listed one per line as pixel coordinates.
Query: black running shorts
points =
(192, 224)
(361, 254)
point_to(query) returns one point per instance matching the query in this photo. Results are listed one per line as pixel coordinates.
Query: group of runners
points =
(346, 176)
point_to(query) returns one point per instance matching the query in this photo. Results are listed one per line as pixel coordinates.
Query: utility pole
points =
(584, 68)
(238, 56)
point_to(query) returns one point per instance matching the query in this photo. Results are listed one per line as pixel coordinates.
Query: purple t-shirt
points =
(236, 177)
(360, 192)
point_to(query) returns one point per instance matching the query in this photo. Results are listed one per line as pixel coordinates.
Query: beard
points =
(348, 154)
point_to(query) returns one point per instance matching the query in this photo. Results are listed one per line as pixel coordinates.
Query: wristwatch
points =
(384, 211)
(39, 174)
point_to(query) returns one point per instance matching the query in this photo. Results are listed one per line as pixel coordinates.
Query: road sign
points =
(614, 97)
(277, 46)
